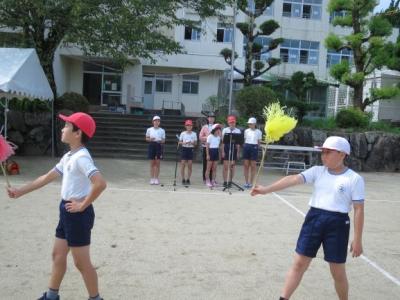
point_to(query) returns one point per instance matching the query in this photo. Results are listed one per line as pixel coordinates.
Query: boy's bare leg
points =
(82, 262)
(214, 170)
(295, 274)
(225, 170)
(189, 162)
(338, 272)
(246, 170)
(183, 163)
(232, 173)
(152, 168)
(253, 170)
(59, 267)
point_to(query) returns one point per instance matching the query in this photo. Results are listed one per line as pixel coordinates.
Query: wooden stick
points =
(264, 152)
(5, 175)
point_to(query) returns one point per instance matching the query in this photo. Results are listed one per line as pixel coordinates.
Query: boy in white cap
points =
(336, 189)
(81, 184)
(156, 137)
(252, 139)
(188, 140)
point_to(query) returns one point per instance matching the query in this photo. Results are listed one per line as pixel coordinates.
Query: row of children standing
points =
(214, 149)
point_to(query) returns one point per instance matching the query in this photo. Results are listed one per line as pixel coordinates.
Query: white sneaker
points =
(152, 181)
(156, 181)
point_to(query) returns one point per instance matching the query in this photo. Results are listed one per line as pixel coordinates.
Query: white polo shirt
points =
(187, 137)
(252, 136)
(76, 169)
(334, 192)
(157, 133)
(213, 141)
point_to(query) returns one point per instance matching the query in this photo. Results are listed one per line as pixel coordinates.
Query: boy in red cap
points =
(231, 151)
(188, 140)
(82, 183)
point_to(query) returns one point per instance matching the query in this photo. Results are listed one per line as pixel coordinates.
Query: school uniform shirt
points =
(334, 192)
(157, 133)
(252, 136)
(76, 169)
(214, 141)
(186, 137)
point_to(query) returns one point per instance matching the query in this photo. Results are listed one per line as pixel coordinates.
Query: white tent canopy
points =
(22, 74)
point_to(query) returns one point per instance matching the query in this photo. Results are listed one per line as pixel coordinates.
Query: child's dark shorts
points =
(154, 151)
(187, 153)
(233, 152)
(250, 151)
(75, 227)
(214, 154)
(331, 229)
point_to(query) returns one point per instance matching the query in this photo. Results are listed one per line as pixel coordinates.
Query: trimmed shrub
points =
(250, 101)
(352, 118)
(72, 101)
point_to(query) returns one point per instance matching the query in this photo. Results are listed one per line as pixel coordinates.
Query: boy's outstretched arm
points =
(356, 244)
(34, 185)
(278, 185)
(98, 186)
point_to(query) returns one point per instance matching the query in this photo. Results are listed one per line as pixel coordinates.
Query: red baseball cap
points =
(188, 122)
(231, 119)
(81, 120)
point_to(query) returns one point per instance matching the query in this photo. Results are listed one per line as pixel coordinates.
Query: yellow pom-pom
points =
(277, 123)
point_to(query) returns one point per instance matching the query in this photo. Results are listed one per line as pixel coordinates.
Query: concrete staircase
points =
(123, 136)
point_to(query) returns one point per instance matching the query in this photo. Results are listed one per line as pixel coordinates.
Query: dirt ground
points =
(150, 242)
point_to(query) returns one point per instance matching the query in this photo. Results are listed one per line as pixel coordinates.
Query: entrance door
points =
(148, 92)
(92, 88)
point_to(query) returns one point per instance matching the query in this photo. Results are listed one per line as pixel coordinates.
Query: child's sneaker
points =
(183, 182)
(187, 181)
(151, 181)
(45, 298)
(225, 185)
(214, 183)
(208, 183)
(156, 181)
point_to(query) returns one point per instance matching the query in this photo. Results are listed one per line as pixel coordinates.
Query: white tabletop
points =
(293, 148)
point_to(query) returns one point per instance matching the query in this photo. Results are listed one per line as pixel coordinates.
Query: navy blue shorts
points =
(233, 152)
(331, 229)
(250, 152)
(187, 153)
(75, 227)
(154, 151)
(214, 154)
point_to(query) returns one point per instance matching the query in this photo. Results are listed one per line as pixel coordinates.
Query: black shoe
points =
(187, 181)
(229, 184)
(225, 184)
(45, 298)
(183, 182)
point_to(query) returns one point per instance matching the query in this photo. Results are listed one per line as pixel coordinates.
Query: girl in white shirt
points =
(213, 146)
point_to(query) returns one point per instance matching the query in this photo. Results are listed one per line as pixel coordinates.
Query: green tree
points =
(255, 67)
(392, 13)
(299, 85)
(367, 42)
(117, 29)
(251, 100)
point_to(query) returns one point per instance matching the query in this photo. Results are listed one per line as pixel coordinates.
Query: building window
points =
(192, 33)
(163, 83)
(190, 84)
(306, 9)
(224, 33)
(335, 57)
(299, 52)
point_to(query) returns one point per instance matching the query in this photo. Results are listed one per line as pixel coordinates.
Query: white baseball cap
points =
(336, 143)
(156, 118)
(252, 121)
